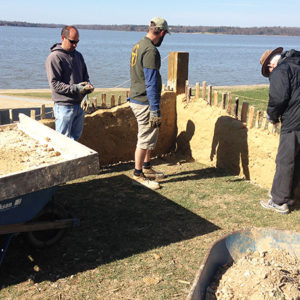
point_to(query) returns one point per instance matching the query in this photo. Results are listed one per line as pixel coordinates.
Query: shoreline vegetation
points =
(275, 30)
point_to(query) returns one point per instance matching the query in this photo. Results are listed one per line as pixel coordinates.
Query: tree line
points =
(276, 30)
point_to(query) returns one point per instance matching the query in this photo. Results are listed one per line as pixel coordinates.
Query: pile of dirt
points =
(19, 152)
(273, 274)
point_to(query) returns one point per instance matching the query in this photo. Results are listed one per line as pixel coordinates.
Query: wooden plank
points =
(43, 112)
(203, 90)
(94, 104)
(209, 100)
(257, 119)
(186, 88)
(236, 108)
(103, 98)
(224, 100)
(36, 226)
(32, 114)
(216, 98)
(229, 106)
(251, 117)
(244, 112)
(11, 116)
(112, 101)
(189, 93)
(197, 92)
(264, 121)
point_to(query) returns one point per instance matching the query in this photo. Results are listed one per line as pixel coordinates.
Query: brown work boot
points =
(144, 181)
(152, 174)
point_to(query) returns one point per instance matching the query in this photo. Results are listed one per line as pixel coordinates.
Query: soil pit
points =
(19, 152)
(273, 274)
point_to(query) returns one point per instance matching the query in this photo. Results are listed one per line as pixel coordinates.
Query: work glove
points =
(85, 103)
(271, 121)
(82, 88)
(155, 118)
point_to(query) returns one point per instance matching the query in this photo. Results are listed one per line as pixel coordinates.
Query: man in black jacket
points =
(283, 70)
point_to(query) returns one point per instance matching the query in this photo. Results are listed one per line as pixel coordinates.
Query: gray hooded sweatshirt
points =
(63, 70)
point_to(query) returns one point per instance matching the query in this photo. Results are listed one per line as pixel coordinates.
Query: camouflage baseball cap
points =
(160, 23)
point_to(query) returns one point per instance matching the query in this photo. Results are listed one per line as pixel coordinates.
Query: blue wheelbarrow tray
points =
(235, 245)
(24, 194)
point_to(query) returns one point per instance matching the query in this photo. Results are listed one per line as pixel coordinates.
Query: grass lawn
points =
(134, 243)
(256, 96)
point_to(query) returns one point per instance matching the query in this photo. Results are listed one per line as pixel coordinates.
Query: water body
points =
(217, 59)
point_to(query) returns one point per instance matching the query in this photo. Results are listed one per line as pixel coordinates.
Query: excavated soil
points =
(19, 152)
(273, 274)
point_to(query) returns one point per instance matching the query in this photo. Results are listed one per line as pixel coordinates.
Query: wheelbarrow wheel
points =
(45, 238)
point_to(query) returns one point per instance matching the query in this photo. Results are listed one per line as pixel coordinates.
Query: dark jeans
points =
(289, 146)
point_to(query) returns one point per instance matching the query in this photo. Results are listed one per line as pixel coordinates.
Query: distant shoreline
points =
(233, 30)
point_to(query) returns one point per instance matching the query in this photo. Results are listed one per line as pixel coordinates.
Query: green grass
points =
(134, 243)
(256, 96)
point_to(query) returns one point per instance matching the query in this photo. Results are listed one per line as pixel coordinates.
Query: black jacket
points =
(284, 94)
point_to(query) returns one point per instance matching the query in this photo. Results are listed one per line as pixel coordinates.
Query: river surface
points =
(216, 59)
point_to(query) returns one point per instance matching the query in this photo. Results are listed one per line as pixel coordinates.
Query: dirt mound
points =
(272, 274)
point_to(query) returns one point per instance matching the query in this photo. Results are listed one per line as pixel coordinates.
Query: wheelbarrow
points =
(26, 197)
(235, 245)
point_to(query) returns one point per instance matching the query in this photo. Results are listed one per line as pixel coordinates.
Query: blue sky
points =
(177, 12)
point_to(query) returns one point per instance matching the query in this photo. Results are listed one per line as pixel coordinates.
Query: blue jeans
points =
(69, 120)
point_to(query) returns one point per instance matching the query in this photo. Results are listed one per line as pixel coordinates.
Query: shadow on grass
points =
(117, 221)
(196, 175)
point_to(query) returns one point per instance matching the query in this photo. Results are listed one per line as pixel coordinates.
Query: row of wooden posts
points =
(247, 116)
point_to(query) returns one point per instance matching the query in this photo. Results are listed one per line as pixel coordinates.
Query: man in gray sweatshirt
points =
(69, 82)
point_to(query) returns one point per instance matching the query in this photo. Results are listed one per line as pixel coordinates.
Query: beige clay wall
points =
(113, 132)
(207, 132)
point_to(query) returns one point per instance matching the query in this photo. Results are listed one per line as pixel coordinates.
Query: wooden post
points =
(229, 103)
(127, 94)
(209, 100)
(224, 100)
(112, 101)
(264, 121)
(32, 114)
(119, 100)
(103, 104)
(186, 88)
(94, 103)
(197, 92)
(216, 96)
(236, 108)
(163, 87)
(203, 90)
(244, 112)
(258, 114)
(11, 116)
(43, 113)
(189, 93)
(178, 69)
(251, 116)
